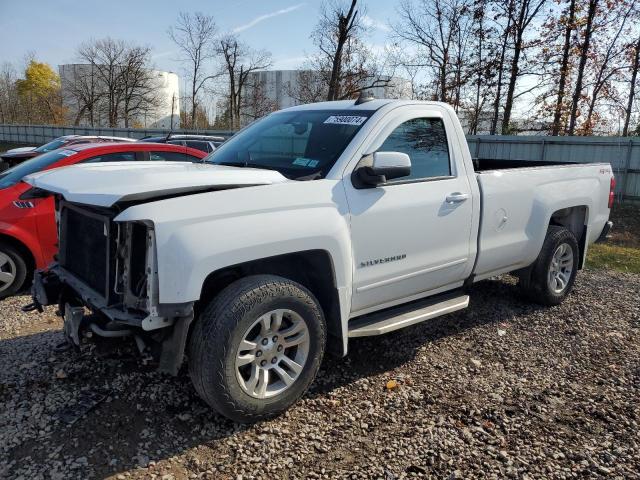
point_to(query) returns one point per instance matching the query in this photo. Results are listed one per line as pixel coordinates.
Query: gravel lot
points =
(503, 389)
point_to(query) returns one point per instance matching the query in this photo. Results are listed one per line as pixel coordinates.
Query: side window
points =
(284, 142)
(170, 157)
(113, 157)
(425, 141)
(176, 142)
(198, 145)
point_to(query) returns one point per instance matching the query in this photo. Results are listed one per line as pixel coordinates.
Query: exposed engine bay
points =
(105, 282)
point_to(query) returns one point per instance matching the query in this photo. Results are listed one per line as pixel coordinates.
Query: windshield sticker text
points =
(346, 120)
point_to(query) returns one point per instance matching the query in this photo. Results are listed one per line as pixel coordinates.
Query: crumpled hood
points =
(105, 184)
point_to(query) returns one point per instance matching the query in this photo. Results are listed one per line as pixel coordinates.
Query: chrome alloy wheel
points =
(8, 272)
(272, 353)
(561, 268)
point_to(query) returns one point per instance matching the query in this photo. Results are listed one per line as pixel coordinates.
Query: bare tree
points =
(336, 29)
(584, 55)
(80, 88)
(524, 13)
(569, 26)
(409, 66)
(116, 82)
(347, 66)
(239, 61)
(436, 28)
(607, 64)
(195, 35)
(482, 64)
(9, 101)
(635, 65)
(105, 57)
(502, 58)
(256, 102)
(309, 86)
(140, 94)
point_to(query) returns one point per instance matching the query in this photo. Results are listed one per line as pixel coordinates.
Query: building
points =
(155, 105)
(270, 90)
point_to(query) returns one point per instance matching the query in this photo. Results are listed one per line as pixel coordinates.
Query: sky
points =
(53, 29)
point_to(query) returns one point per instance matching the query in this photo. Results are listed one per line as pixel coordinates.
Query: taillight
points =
(612, 191)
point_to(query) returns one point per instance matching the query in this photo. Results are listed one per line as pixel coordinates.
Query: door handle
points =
(457, 197)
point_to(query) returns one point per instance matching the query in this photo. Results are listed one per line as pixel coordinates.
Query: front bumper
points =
(57, 287)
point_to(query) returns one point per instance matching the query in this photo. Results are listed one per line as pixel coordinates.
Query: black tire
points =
(221, 327)
(534, 281)
(18, 266)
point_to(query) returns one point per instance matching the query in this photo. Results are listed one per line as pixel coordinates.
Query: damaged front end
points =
(105, 284)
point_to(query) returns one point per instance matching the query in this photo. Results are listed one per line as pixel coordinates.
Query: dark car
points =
(205, 143)
(13, 158)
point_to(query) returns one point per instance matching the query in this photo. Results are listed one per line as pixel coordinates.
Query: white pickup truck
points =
(314, 225)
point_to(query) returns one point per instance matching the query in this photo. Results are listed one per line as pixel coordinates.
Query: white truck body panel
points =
(199, 234)
(517, 206)
(388, 245)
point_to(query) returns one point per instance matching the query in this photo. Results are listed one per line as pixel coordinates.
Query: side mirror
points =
(379, 168)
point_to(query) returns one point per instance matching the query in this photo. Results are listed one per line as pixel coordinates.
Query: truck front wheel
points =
(550, 279)
(257, 347)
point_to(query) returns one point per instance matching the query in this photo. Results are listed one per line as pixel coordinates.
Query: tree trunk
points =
(344, 27)
(496, 103)
(632, 89)
(583, 61)
(193, 101)
(513, 78)
(555, 126)
(476, 114)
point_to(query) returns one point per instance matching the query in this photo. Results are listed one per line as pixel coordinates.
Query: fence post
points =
(544, 148)
(625, 178)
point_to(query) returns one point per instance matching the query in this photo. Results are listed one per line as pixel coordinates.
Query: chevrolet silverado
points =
(311, 226)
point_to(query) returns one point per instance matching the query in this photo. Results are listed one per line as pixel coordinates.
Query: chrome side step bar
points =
(403, 316)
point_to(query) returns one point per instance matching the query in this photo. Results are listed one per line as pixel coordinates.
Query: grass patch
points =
(615, 257)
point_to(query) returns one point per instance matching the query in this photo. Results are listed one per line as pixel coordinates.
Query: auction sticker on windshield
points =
(346, 120)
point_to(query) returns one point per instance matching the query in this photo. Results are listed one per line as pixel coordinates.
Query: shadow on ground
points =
(106, 410)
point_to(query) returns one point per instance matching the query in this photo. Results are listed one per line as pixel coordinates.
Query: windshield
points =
(12, 176)
(301, 145)
(47, 147)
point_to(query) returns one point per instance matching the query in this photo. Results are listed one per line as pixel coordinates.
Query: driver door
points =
(411, 236)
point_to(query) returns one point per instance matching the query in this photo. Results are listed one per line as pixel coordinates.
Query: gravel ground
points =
(503, 389)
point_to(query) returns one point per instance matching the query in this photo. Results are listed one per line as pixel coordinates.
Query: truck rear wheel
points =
(257, 347)
(13, 270)
(550, 279)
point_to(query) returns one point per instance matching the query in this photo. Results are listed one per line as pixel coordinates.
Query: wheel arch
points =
(314, 269)
(575, 219)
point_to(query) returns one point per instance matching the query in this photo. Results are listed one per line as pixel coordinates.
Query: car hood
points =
(21, 150)
(105, 184)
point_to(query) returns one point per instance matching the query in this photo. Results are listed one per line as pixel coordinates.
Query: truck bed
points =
(518, 200)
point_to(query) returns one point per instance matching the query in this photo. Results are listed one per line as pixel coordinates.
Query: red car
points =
(19, 155)
(28, 234)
